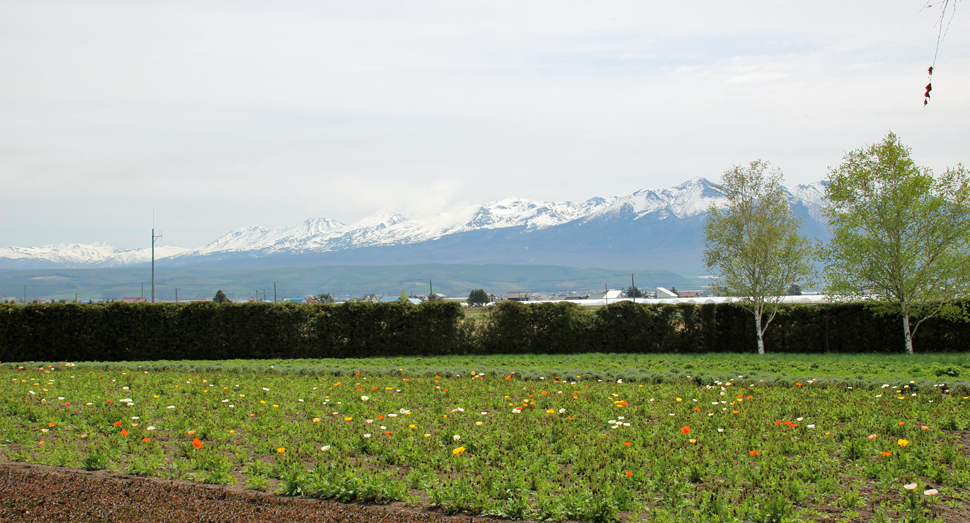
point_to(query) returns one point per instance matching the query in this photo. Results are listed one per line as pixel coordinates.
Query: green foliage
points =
(754, 244)
(541, 328)
(899, 232)
(324, 298)
(578, 446)
(207, 331)
(477, 298)
(220, 297)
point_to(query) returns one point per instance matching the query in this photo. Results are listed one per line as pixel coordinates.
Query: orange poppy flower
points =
(685, 429)
(145, 440)
(628, 473)
(627, 443)
(887, 454)
(753, 452)
(117, 424)
(124, 433)
(52, 424)
(197, 443)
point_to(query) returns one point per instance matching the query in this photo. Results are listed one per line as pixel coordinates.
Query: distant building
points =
(134, 300)
(519, 296)
(663, 293)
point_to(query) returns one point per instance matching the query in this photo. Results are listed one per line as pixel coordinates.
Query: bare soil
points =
(38, 493)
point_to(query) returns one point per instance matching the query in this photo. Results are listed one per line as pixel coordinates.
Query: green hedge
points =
(209, 331)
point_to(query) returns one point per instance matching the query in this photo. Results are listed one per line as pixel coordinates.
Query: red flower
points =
(124, 433)
(117, 424)
(753, 452)
(197, 442)
(685, 429)
(628, 473)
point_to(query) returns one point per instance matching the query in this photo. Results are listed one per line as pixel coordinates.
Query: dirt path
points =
(36, 493)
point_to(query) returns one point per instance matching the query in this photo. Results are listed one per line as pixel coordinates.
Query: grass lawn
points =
(587, 437)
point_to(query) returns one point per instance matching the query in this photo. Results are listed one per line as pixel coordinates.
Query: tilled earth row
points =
(34, 493)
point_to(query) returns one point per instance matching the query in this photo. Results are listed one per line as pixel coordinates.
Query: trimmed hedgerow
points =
(210, 331)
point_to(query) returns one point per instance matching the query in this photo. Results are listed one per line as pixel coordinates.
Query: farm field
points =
(802, 438)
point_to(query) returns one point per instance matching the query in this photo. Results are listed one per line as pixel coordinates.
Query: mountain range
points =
(659, 229)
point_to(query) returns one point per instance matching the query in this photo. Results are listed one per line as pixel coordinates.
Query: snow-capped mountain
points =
(76, 254)
(512, 230)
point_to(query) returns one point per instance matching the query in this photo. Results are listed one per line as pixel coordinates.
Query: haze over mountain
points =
(659, 229)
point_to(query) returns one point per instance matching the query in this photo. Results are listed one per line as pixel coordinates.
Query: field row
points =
(554, 447)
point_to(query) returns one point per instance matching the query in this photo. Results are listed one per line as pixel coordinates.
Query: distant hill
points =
(660, 229)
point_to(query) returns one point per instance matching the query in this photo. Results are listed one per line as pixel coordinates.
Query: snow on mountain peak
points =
(691, 198)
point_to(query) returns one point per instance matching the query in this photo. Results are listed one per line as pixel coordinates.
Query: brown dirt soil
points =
(37, 493)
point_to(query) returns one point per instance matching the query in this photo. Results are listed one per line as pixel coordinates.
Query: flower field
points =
(551, 447)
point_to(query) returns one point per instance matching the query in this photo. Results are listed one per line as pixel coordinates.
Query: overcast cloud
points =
(225, 114)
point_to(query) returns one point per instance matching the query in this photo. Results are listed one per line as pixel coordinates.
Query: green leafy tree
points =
(404, 295)
(900, 233)
(434, 297)
(633, 292)
(477, 298)
(754, 244)
(324, 298)
(220, 297)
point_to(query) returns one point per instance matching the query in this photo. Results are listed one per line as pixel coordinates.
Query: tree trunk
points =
(757, 325)
(907, 334)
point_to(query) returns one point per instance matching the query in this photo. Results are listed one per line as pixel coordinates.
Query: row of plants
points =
(844, 370)
(130, 332)
(559, 447)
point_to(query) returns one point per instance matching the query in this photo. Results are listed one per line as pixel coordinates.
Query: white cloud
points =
(276, 112)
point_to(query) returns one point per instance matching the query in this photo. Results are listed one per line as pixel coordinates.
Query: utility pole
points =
(142, 289)
(75, 297)
(25, 294)
(633, 287)
(153, 258)
(431, 284)
(176, 295)
(274, 293)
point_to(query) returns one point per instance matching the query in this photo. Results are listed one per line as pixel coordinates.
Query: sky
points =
(209, 115)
